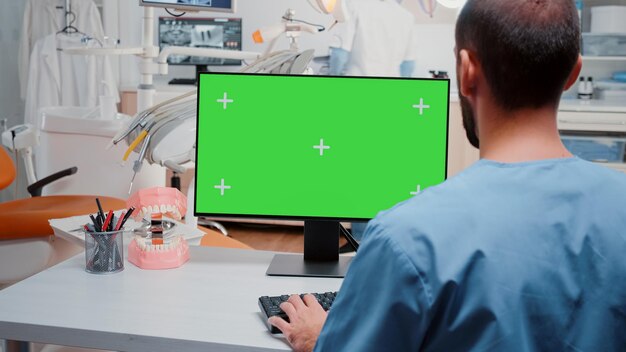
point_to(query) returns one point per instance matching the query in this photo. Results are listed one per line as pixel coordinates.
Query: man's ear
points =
(467, 74)
(573, 76)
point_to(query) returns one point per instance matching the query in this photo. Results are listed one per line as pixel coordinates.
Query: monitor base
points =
(295, 265)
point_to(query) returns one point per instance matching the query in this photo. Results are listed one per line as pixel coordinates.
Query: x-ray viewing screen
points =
(193, 5)
(317, 146)
(216, 33)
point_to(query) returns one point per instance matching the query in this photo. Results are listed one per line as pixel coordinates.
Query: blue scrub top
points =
(506, 257)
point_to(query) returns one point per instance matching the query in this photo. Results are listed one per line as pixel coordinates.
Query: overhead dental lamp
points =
(327, 6)
(331, 7)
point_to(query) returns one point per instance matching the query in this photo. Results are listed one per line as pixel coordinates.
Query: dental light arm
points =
(271, 34)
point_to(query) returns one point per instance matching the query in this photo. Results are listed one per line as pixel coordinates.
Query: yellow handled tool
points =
(134, 144)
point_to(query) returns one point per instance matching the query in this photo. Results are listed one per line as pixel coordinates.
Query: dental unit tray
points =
(155, 247)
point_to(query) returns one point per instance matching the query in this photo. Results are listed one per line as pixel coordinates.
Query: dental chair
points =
(27, 242)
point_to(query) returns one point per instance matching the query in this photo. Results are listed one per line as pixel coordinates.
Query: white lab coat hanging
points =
(45, 17)
(57, 78)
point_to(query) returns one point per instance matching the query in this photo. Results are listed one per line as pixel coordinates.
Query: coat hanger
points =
(69, 28)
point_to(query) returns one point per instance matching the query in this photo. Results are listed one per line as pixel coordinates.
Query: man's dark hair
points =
(526, 48)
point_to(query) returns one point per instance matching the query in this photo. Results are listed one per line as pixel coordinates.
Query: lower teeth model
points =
(153, 247)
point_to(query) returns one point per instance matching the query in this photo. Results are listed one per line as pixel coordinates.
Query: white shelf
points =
(604, 58)
(576, 105)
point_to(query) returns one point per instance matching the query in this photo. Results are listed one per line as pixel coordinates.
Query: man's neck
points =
(523, 135)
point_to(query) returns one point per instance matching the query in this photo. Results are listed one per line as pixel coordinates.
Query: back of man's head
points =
(526, 48)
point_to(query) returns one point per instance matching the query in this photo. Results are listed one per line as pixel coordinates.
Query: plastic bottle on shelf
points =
(585, 89)
(581, 88)
(589, 87)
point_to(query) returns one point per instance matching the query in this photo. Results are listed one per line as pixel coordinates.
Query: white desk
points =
(209, 304)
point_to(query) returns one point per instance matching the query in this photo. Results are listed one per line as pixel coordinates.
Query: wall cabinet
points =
(595, 130)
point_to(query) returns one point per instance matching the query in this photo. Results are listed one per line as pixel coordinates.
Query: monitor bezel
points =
(191, 8)
(239, 19)
(292, 217)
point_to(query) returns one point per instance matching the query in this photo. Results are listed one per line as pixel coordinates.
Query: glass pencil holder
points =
(104, 252)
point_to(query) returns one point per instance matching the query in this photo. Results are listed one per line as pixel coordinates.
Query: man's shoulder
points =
(429, 209)
(437, 198)
(471, 195)
(609, 173)
(600, 179)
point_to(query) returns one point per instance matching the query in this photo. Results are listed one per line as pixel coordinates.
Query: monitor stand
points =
(321, 254)
(190, 81)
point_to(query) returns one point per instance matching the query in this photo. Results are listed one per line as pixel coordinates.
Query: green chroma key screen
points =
(317, 146)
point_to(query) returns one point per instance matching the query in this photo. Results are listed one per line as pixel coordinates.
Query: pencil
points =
(105, 225)
(95, 222)
(100, 212)
(119, 221)
(128, 214)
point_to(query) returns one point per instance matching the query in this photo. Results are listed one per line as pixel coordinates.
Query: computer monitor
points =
(193, 5)
(217, 33)
(316, 148)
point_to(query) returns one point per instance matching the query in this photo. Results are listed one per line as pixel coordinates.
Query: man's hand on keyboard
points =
(306, 318)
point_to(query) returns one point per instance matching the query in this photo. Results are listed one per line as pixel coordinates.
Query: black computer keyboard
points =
(270, 306)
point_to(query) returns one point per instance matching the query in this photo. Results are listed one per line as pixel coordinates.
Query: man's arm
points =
(306, 318)
(381, 304)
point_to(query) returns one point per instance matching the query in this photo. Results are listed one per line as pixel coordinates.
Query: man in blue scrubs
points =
(523, 251)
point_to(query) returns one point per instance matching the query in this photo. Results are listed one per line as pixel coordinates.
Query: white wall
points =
(11, 107)
(435, 45)
(435, 41)
(10, 28)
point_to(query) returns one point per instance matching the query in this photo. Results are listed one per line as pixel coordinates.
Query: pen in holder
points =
(104, 251)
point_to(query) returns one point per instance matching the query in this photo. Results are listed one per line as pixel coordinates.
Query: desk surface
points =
(208, 304)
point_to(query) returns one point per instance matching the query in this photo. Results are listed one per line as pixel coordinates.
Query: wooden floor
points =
(269, 237)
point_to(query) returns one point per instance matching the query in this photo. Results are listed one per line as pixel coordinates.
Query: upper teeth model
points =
(158, 202)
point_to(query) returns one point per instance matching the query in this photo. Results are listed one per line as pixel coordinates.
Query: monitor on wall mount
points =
(198, 32)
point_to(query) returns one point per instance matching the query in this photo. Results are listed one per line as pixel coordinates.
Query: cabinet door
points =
(588, 4)
(595, 136)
